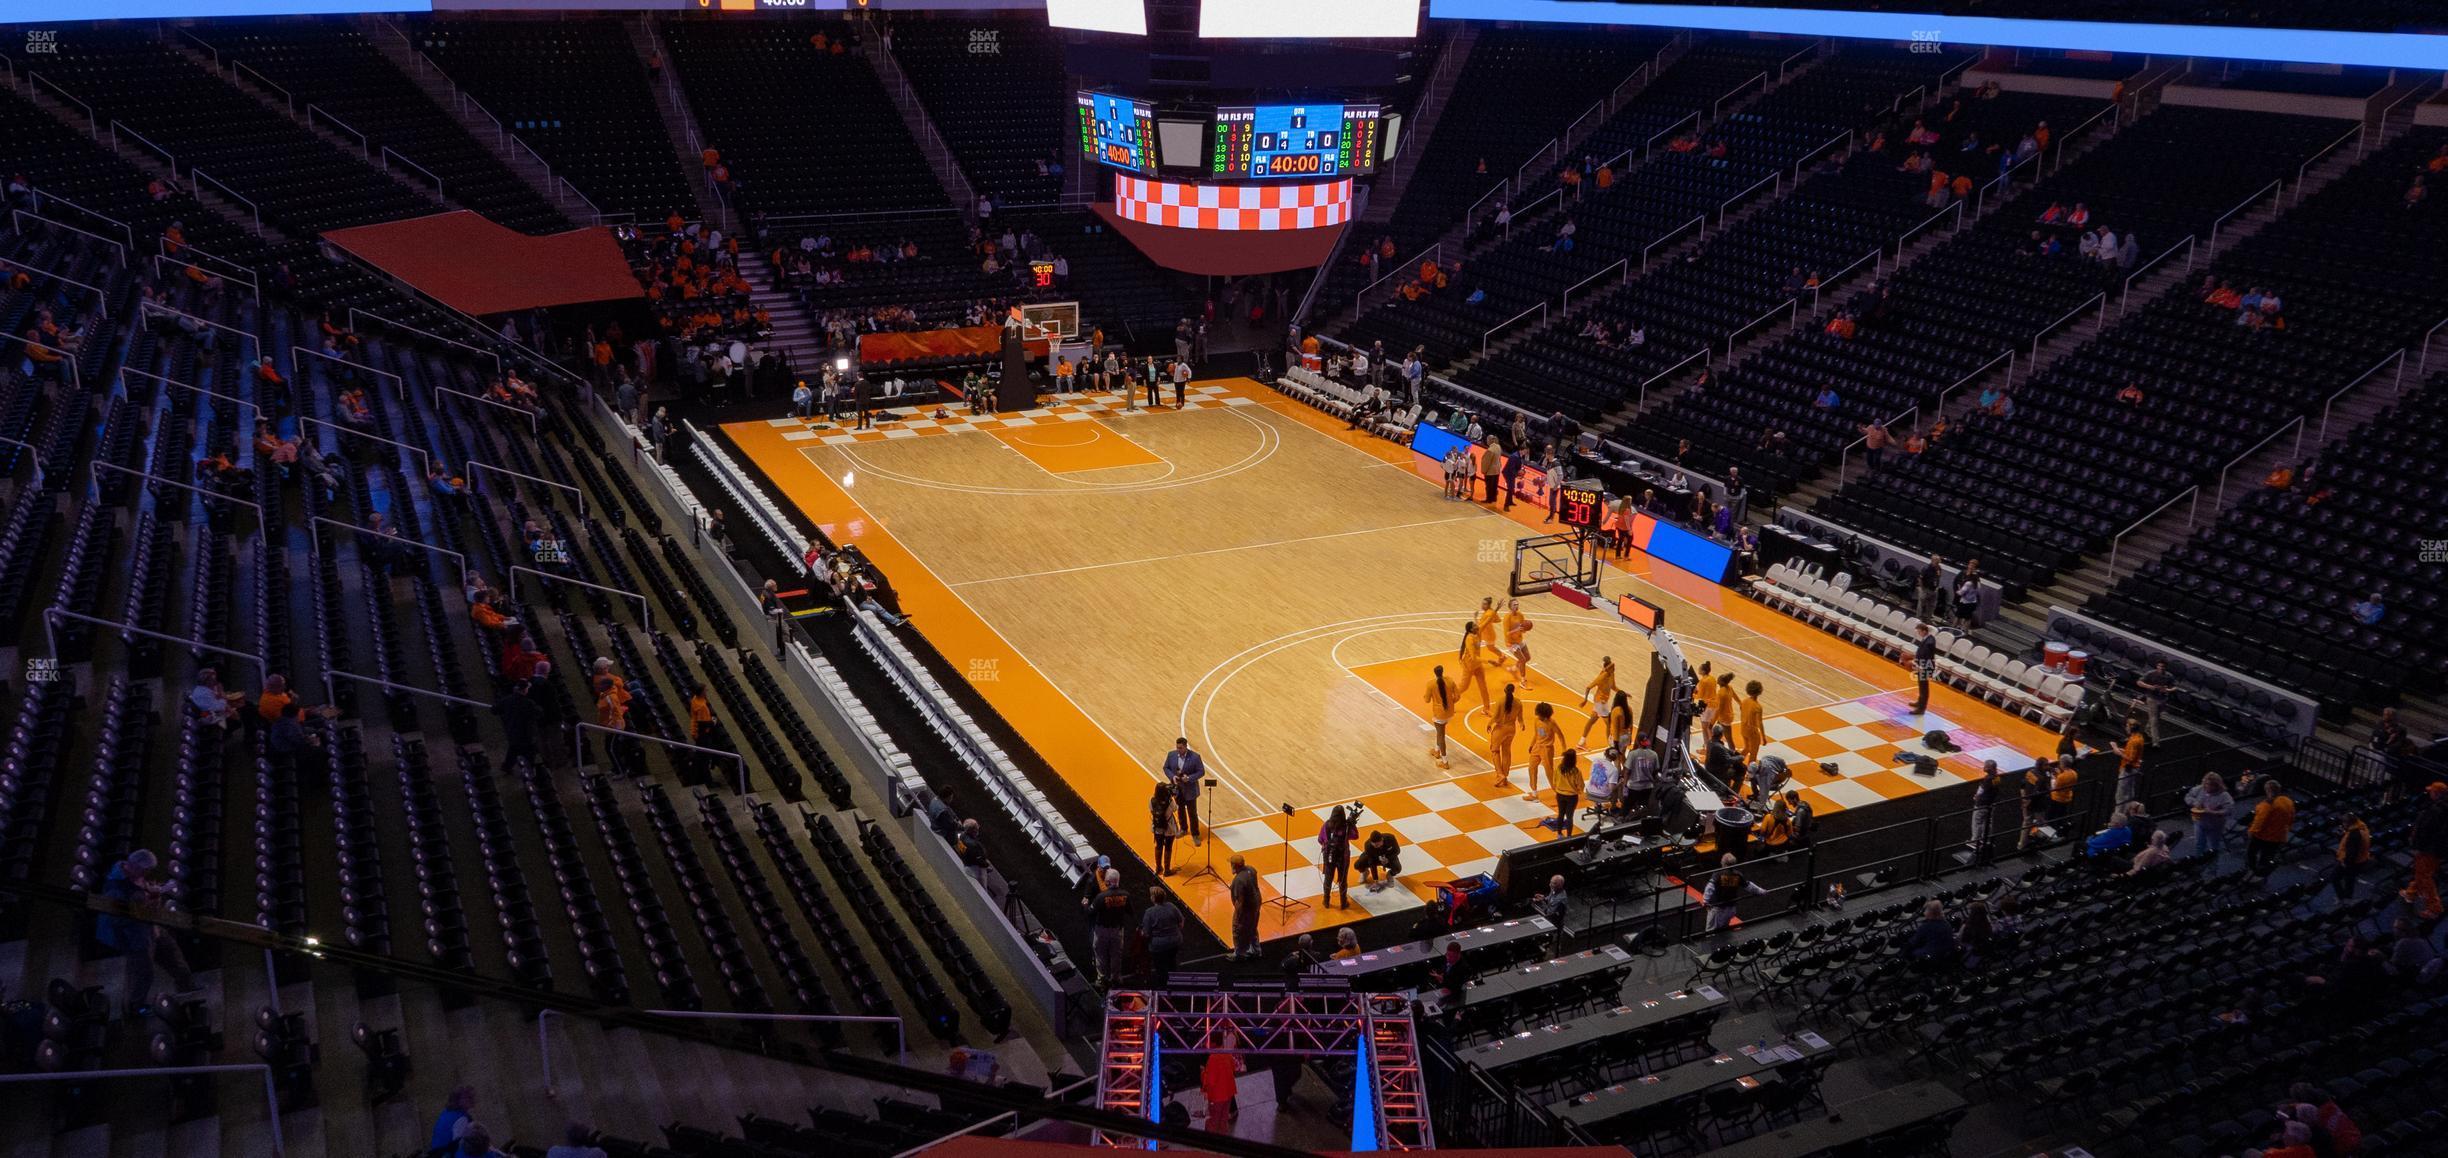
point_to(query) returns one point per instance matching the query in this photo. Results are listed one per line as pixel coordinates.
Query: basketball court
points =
(1247, 573)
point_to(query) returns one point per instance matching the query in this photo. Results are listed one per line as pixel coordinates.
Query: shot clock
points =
(1579, 507)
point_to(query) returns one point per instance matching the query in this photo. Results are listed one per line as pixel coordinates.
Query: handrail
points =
(166, 155)
(40, 196)
(2057, 147)
(1541, 199)
(2296, 425)
(347, 431)
(1555, 145)
(2420, 90)
(1671, 234)
(53, 614)
(2116, 545)
(2185, 245)
(534, 424)
(1717, 107)
(1651, 144)
(199, 176)
(216, 395)
(101, 296)
(390, 154)
(1790, 307)
(14, 214)
(1011, 1116)
(329, 674)
(1905, 238)
(233, 268)
(1400, 266)
(593, 210)
(2422, 365)
(315, 524)
(1596, 109)
(2247, 203)
(1919, 90)
(174, 311)
(1844, 456)
(739, 763)
(864, 215)
(1939, 407)
(215, 53)
(1980, 196)
(1959, 68)
(645, 611)
(1625, 262)
(399, 385)
(271, 1085)
(472, 464)
(1470, 216)
(2044, 331)
(1776, 178)
(1326, 267)
(1821, 150)
(1876, 256)
(354, 313)
(254, 288)
(266, 81)
(93, 124)
(1707, 356)
(1649, 66)
(1539, 309)
(68, 358)
(539, 157)
(182, 484)
(364, 147)
(2398, 357)
(2315, 159)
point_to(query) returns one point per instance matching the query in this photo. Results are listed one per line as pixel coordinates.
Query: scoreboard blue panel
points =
(1261, 142)
(1118, 131)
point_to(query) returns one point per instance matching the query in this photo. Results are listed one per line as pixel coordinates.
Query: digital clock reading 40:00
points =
(1292, 165)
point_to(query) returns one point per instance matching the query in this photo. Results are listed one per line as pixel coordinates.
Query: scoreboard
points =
(1118, 131)
(1263, 142)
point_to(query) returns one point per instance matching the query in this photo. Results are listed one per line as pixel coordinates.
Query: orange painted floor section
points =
(1073, 447)
(1449, 826)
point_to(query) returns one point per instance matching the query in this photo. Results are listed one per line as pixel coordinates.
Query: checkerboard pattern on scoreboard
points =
(920, 421)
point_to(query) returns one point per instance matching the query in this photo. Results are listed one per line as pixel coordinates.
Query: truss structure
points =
(1372, 1030)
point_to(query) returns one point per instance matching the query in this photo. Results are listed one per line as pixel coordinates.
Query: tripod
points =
(1208, 843)
(1285, 904)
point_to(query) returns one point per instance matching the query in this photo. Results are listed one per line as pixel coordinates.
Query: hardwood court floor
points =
(1250, 575)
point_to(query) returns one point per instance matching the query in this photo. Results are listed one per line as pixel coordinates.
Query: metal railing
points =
(1791, 308)
(1705, 355)
(1920, 92)
(1552, 148)
(68, 358)
(101, 296)
(1939, 407)
(2399, 358)
(1790, 61)
(237, 67)
(1470, 216)
(355, 313)
(2100, 298)
(739, 763)
(2057, 146)
(390, 154)
(254, 287)
(1623, 263)
(1010, 1117)
(2271, 188)
(1670, 235)
(271, 1085)
(1843, 139)
(1775, 179)
(209, 50)
(1717, 107)
(1326, 268)
(474, 465)
(1596, 109)
(315, 525)
(93, 124)
(166, 380)
(200, 177)
(2116, 546)
(1399, 267)
(900, 1030)
(15, 216)
(1980, 196)
(2185, 245)
(1877, 259)
(2423, 364)
(2297, 424)
(52, 615)
(41, 196)
(399, 385)
(174, 311)
(424, 456)
(1844, 457)
(116, 127)
(2356, 134)
(645, 612)
(1557, 193)
(1650, 145)
(364, 147)
(1905, 238)
(1539, 309)
(534, 423)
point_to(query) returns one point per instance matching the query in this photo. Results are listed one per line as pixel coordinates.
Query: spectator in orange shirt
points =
(2272, 820)
(267, 375)
(2129, 761)
(712, 156)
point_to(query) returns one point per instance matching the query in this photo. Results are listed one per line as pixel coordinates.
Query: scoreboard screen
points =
(1262, 142)
(1118, 131)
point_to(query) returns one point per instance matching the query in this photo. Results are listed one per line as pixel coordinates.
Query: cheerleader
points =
(1440, 699)
(1503, 721)
(1544, 736)
(1473, 662)
(1516, 632)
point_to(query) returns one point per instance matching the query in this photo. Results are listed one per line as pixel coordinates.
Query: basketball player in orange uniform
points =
(1517, 632)
(1544, 736)
(1503, 721)
(1599, 694)
(1440, 700)
(1750, 722)
(1473, 663)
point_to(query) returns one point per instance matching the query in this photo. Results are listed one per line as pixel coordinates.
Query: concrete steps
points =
(391, 39)
(299, 117)
(956, 184)
(1422, 127)
(679, 122)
